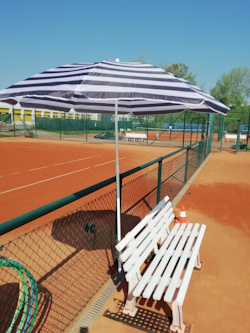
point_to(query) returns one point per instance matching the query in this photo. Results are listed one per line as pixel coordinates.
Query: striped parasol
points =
(141, 89)
(111, 87)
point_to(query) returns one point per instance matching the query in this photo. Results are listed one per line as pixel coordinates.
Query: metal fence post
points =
(35, 123)
(159, 181)
(186, 166)
(183, 138)
(198, 158)
(210, 128)
(203, 129)
(191, 133)
(221, 130)
(248, 129)
(238, 136)
(60, 126)
(197, 132)
(147, 130)
(14, 127)
(86, 124)
(205, 148)
(222, 124)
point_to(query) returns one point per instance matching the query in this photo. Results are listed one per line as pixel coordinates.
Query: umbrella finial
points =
(117, 60)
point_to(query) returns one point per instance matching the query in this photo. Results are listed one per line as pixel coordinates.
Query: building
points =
(20, 115)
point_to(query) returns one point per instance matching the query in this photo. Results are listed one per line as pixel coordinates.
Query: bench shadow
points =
(73, 257)
(9, 304)
(149, 303)
(154, 321)
(144, 320)
(92, 229)
(87, 241)
(45, 300)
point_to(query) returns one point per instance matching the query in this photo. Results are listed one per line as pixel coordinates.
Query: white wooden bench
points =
(136, 136)
(233, 137)
(167, 275)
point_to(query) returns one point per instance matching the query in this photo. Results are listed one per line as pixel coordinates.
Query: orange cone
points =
(182, 218)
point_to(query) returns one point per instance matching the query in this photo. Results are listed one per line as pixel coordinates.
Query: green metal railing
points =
(71, 257)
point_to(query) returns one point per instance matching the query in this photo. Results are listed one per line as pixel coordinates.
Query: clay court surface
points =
(36, 172)
(218, 297)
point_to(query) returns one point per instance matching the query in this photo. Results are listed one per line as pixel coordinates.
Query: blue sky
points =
(210, 37)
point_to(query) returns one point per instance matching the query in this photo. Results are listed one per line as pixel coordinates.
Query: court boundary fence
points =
(71, 257)
(64, 127)
(181, 129)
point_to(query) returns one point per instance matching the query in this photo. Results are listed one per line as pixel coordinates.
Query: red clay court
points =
(218, 297)
(36, 172)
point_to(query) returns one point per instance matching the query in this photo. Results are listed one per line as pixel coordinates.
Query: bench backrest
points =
(136, 246)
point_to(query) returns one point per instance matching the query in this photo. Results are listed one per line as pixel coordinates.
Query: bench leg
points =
(198, 263)
(130, 307)
(177, 323)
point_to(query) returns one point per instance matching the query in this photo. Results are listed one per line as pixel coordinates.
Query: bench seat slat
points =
(148, 274)
(181, 264)
(171, 265)
(187, 276)
(165, 257)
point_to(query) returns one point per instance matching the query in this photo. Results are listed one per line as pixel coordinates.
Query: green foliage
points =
(181, 70)
(233, 89)
(240, 112)
(139, 59)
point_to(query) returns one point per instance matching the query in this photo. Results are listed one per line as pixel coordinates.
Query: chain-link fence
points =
(64, 127)
(48, 276)
(6, 125)
(175, 131)
(231, 133)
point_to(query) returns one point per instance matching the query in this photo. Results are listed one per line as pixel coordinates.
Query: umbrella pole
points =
(118, 194)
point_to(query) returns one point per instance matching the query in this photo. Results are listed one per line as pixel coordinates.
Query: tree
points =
(139, 59)
(233, 89)
(181, 70)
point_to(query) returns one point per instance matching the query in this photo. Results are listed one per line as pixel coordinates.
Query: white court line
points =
(44, 167)
(97, 165)
(42, 181)
(63, 175)
(80, 159)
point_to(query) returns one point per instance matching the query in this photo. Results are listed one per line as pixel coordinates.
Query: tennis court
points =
(36, 172)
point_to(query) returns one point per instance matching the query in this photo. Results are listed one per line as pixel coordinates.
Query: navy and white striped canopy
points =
(140, 89)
